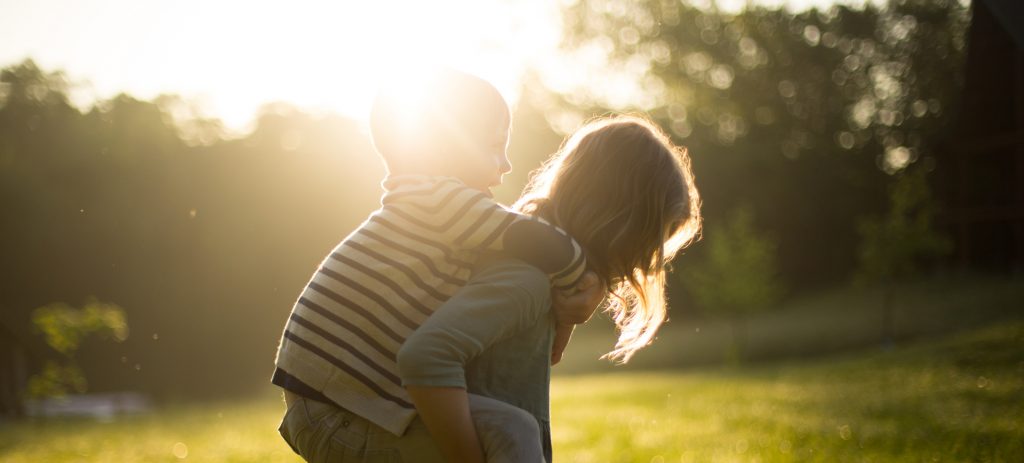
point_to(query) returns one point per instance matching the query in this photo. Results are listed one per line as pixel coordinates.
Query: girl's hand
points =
(574, 307)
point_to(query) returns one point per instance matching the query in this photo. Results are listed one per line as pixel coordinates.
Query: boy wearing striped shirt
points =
(443, 153)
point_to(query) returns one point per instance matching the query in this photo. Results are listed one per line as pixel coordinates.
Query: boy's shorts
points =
(321, 433)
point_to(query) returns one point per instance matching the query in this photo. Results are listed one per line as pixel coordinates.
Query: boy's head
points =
(451, 123)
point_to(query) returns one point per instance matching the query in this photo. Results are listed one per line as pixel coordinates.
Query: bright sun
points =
(231, 56)
(331, 55)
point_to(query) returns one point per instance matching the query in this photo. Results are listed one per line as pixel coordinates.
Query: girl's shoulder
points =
(513, 275)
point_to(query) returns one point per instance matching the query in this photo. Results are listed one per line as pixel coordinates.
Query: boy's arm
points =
(467, 219)
(572, 308)
(562, 335)
(548, 248)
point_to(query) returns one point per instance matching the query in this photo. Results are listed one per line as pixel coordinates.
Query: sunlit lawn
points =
(957, 399)
(842, 319)
(237, 431)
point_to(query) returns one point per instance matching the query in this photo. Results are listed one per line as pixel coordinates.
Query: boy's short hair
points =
(415, 126)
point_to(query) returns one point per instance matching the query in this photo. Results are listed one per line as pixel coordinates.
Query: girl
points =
(627, 195)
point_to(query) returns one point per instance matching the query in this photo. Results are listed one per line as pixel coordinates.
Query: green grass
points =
(959, 399)
(228, 431)
(811, 325)
(956, 399)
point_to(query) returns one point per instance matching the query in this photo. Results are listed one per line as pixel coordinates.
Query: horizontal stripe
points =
(355, 374)
(437, 207)
(319, 331)
(456, 216)
(480, 221)
(334, 296)
(416, 280)
(289, 382)
(575, 265)
(369, 340)
(570, 282)
(499, 231)
(429, 242)
(382, 279)
(423, 258)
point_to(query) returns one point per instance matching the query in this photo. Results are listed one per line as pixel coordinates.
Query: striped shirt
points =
(383, 280)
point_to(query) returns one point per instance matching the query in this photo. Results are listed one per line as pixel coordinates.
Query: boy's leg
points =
(508, 433)
(320, 432)
(307, 427)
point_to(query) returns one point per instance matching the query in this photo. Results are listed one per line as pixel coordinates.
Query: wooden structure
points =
(980, 174)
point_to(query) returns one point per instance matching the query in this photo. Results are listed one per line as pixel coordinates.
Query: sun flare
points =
(232, 56)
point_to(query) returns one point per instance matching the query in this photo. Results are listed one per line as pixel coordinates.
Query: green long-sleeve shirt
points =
(493, 337)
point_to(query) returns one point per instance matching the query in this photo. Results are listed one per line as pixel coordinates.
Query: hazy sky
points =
(232, 56)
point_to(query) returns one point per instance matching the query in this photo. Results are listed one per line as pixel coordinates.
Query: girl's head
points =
(627, 195)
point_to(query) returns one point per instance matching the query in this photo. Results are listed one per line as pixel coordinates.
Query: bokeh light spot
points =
(180, 450)
(897, 158)
(812, 35)
(787, 89)
(844, 432)
(845, 140)
(721, 77)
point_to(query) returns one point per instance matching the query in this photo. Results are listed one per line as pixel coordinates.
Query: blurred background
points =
(171, 174)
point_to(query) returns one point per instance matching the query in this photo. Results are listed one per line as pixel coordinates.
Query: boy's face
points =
(488, 163)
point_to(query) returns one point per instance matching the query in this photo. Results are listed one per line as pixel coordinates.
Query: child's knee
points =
(518, 422)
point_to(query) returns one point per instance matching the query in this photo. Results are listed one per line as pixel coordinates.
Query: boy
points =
(444, 151)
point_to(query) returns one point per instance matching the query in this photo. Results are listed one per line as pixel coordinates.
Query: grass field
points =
(955, 399)
(831, 321)
(960, 399)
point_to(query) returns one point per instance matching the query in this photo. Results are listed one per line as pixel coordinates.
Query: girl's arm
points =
(445, 411)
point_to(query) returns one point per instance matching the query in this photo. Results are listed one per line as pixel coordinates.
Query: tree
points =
(738, 275)
(64, 328)
(802, 114)
(144, 203)
(893, 246)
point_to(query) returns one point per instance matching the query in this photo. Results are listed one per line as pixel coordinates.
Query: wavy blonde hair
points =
(627, 195)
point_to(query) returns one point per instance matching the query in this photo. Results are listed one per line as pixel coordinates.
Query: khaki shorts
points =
(322, 433)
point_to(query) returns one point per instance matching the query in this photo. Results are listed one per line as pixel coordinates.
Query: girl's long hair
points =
(627, 195)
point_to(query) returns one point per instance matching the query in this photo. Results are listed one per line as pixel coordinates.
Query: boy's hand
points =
(574, 307)
(562, 335)
(578, 304)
